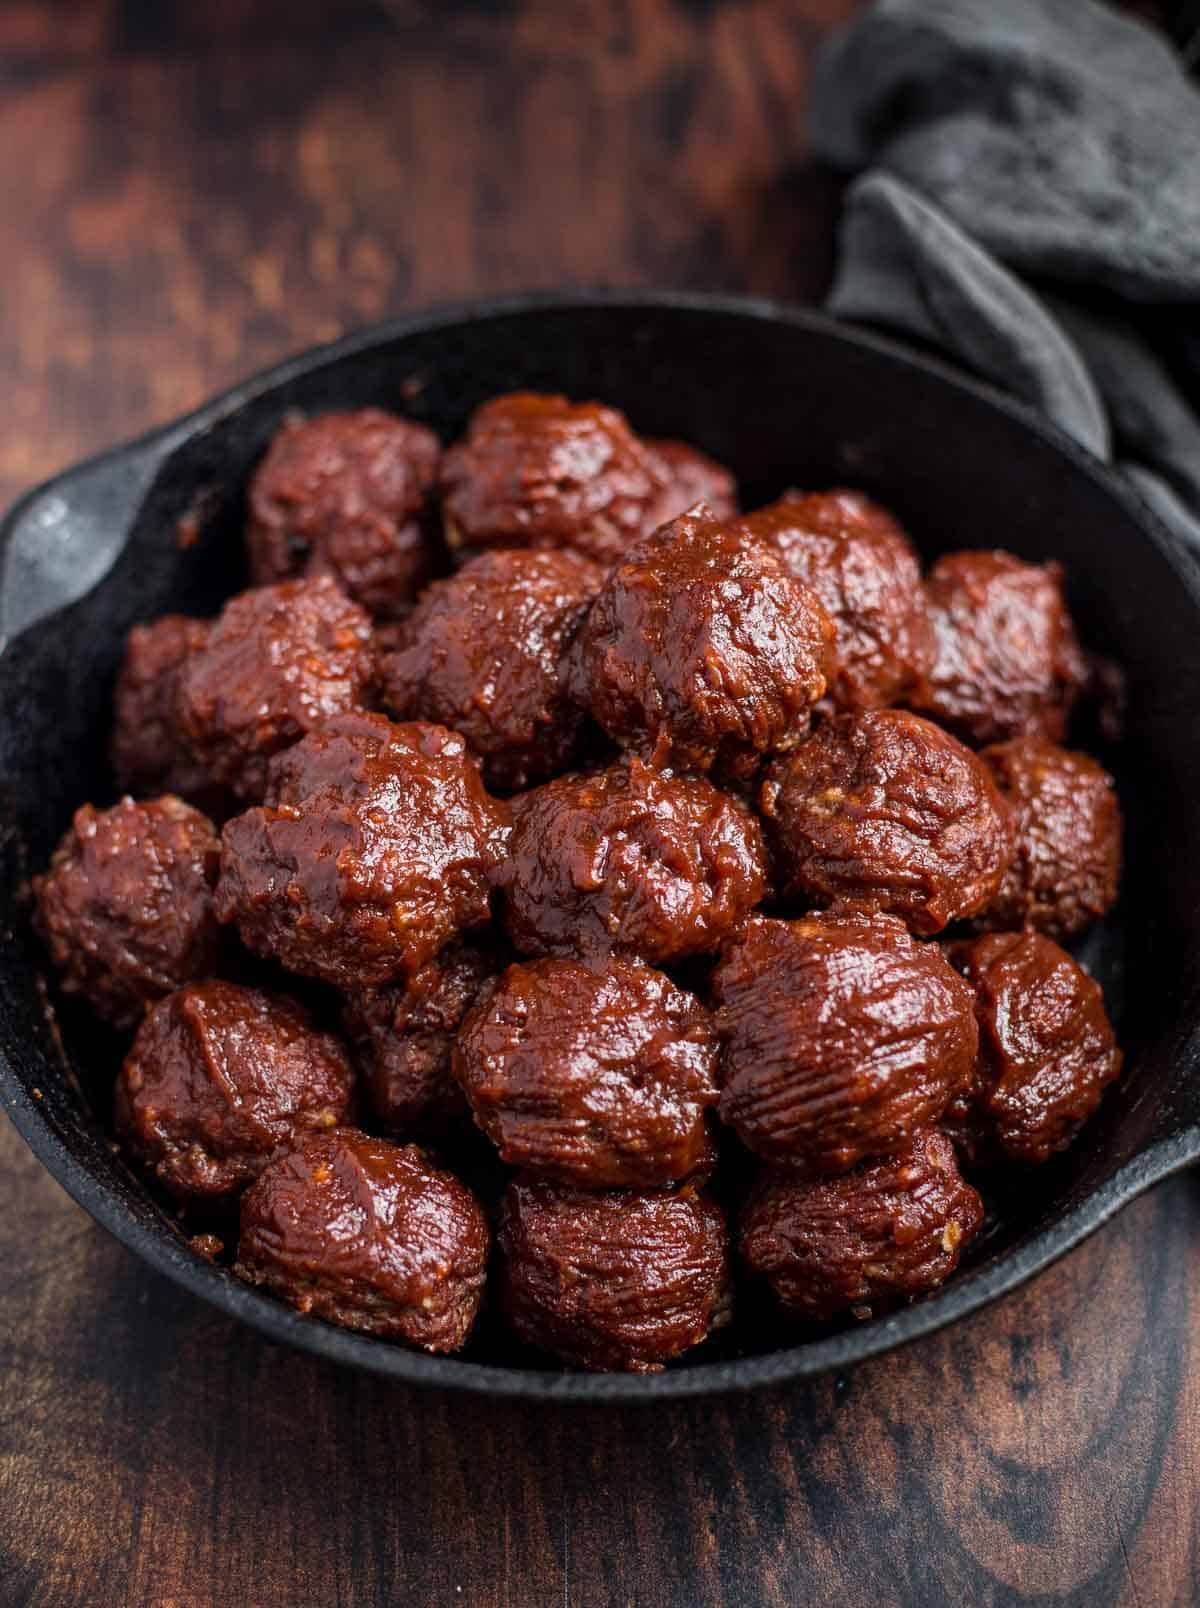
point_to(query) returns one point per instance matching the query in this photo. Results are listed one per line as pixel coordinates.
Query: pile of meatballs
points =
(713, 867)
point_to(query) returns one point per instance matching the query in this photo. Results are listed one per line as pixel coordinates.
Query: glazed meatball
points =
(865, 571)
(597, 1075)
(1067, 865)
(702, 645)
(612, 1281)
(887, 1232)
(347, 495)
(539, 471)
(125, 908)
(1006, 660)
(886, 809)
(369, 1235)
(841, 1036)
(692, 477)
(217, 1078)
(1046, 1049)
(375, 848)
(403, 1034)
(279, 661)
(484, 653)
(148, 750)
(631, 860)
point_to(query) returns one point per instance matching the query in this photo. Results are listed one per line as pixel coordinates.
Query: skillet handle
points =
(58, 542)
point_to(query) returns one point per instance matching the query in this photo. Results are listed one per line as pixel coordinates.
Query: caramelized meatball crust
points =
(886, 809)
(841, 1036)
(1047, 1051)
(889, 1231)
(369, 1235)
(692, 477)
(279, 661)
(1067, 866)
(679, 819)
(403, 1035)
(125, 907)
(630, 860)
(376, 848)
(484, 653)
(612, 1281)
(219, 1076)
(540, 471)
(865, 571)
(347, 495)
(702, 645)
(1006, 661)
(598, 1075)
(148, 750)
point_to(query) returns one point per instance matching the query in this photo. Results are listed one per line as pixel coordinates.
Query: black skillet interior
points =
(784, 397)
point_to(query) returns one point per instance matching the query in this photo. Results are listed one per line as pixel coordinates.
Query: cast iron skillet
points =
(786, 398)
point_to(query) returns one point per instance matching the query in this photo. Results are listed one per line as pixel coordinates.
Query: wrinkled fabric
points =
(1030, 205)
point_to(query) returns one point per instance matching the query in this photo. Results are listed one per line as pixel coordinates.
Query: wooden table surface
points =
(186, 193)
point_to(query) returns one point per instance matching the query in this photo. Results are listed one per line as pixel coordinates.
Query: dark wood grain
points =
(181, 201)
(187, 192)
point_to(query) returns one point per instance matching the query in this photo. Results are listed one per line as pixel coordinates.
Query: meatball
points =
(702, 645)
(612, 1281)
(633, 860)
(347, 495)
(148, 750)
(599, 1075)
(865, 571)
(692, 477)
(125, 907)
(1006, 660)
(540, 471)
(886, 809)
(217, 1078)
(841, 1036)
(403, 1034)
(1046, 1049)
(484, 653)
(375, 848)
(369, 1235)
(1067, 866)
(887, 1232)
(279, 661)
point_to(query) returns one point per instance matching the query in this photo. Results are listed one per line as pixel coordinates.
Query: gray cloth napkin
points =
(1031, 207)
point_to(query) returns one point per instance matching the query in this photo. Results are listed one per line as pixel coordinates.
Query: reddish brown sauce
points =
(717, 864)
(149, 751)
(1046, 1049)
(370, 1235)
(375, 849)
(218, 1077)
(540, 471)
(841, 1036)
(888, 1231)
(889, 810)
(278, 662)
(692, 477)
(630, 860)
(611, 1280)
(1006, 660)
(485, 652)
(865, 571)
(125, 908)
(348, 495)
(403, 1035)
(1067, 820)
(702, 644)
(598, 1075)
